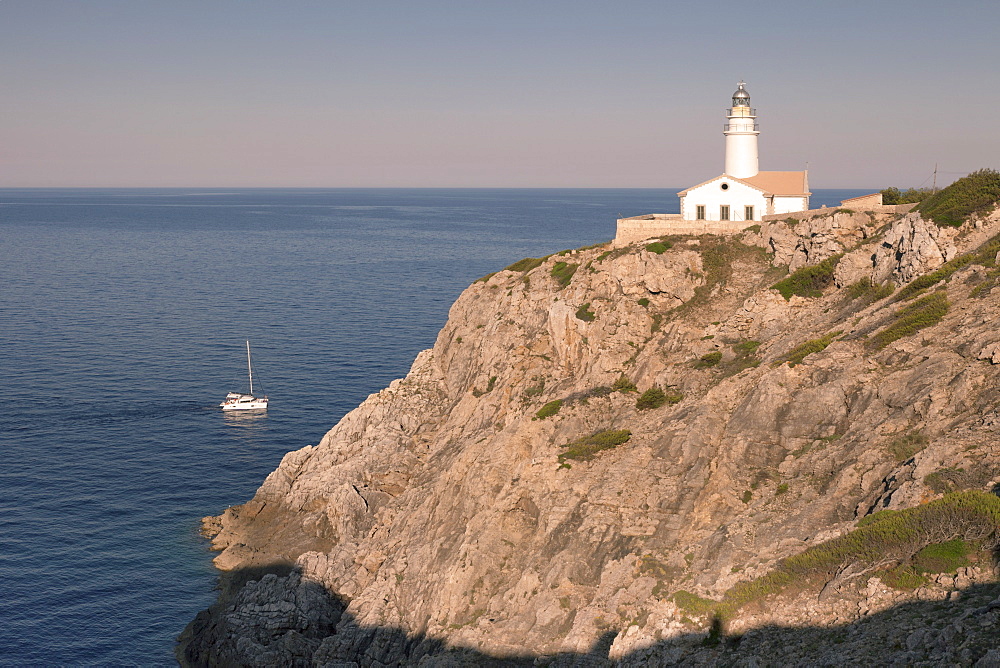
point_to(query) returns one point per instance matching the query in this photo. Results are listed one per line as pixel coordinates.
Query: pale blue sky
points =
(227, 93)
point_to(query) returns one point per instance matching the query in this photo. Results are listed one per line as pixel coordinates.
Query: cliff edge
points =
(677, 451)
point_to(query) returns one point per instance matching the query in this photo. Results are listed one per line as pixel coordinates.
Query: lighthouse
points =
(741, 132)
(743, 193)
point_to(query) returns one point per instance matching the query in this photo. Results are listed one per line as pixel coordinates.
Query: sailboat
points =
(238, 401)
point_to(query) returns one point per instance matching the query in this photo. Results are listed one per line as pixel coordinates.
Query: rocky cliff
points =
(648, 455)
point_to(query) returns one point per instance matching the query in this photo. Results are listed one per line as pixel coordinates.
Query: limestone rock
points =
(441, 522)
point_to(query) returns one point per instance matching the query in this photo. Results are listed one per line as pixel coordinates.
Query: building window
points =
(700, 212)
(724, 212)
(748, 211)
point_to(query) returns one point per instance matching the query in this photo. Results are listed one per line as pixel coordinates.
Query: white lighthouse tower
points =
(741, 136)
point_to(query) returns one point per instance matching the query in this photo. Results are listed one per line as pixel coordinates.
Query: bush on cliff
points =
(525, 264)
(563, 273)
(808, 281)
(549, 409)
(880, 543)
(656, 396)
(803, 350)
(585, 449)
(913, 317)
(985, 255)
(909, 196)
(975, 194)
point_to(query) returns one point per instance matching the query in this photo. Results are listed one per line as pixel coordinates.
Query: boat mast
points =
(249, 368)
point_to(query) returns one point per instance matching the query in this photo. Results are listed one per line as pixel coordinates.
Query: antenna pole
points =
(934, 187)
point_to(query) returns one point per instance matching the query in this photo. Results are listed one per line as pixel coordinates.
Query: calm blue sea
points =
(123, 315)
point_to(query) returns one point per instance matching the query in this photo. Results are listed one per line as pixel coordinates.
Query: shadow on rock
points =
(270, 616)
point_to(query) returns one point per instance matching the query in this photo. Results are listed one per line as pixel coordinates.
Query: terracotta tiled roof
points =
(781, 183)
(771, 183)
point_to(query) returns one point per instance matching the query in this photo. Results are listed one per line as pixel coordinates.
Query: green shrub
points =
(692, 603)
(899, 536)
(549, 409)
(719, 255)
(623, 384)
(903, 577)
(563, 273)
(747, 496)
(526, 264)
(944, 557)
(913, 317)
(484, 278)
(953, 479)
(803, 350)
(977, 193)
(985, 255)
(906, 446)
(656, 396)
(810, 280)
(585, 449)
(908, 196)
(583, 313)
(708, 360)
(782, 489)
(644, 302)
(659, 247)
(865, 289)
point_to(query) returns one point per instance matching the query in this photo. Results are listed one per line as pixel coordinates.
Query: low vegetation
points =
(490, 384)
(623, 384)
(549, 409)
(953, 479)
(708, 360)
(921, 538)
(975, 194)
(808, 281)
(526, 264)
(659, 247)
(869, 292)
(656, 396)
(909, 196)
(911, 318)
(985, 255)
(584, 313)
(719, 256)
(585, 449)
(563, 273)
(803, 350)
(906, 446)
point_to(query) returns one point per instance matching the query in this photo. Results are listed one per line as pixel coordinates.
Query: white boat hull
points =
(243, 402)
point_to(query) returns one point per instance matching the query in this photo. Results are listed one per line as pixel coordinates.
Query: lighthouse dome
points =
(741, 98)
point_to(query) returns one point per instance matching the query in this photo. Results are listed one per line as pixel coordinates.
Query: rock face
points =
(438, 522)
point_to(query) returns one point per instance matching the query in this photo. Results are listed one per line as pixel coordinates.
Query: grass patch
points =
(803, 350)
(583, 313)
(563, 273)
(708, 360)
(484, 278)
(906, 446)
(659, 247)
(910, 319)
(656, 396)
(808, 281)
(549, 409)
(975, 194)
(526, 264)
(644, 302)
(585, 449)
(693, 604)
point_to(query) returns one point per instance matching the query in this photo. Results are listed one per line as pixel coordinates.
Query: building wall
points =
(653, 225)
(712, 196)
(789, 204)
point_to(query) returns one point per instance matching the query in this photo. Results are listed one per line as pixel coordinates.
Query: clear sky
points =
(505, 93)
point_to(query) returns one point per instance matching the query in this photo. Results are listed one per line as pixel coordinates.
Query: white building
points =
(743, 193)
